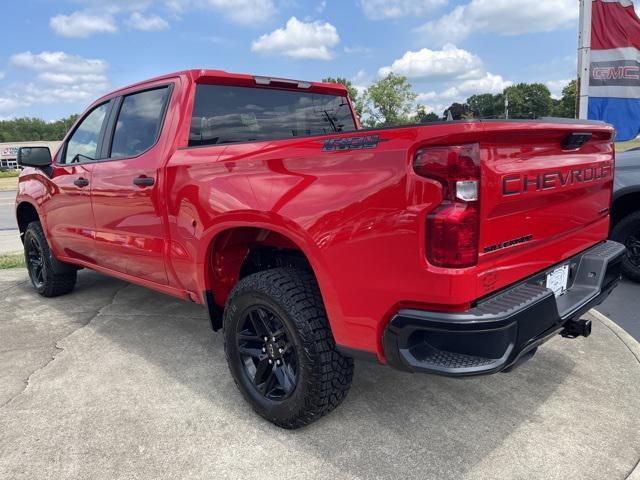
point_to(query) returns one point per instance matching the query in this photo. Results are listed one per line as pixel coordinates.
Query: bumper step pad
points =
(503, 328)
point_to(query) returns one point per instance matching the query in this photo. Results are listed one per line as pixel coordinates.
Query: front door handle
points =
(143, 181)
(81, 182)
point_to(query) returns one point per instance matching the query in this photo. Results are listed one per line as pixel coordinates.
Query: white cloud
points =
(66, 79)
(58, 62)
(1, 74)
(556, 86)
(82, 24)
(361, 81)
(384, 9)
(60, 78)
(78, 92)
(300, 40)
(8, 104)
(424, 64)
(458, 92)
(148, 23)
(321, 6)
(504, 17)
(489, 83)
(358, 50)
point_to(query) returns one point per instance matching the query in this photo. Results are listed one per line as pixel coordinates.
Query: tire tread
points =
(56, 283)
(331, 372)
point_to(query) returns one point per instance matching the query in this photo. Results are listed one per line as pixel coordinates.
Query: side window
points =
(83, 144)
(138, 123)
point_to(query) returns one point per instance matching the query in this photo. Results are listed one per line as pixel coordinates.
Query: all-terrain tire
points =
(49, 276)
(323, 374)
(627, 232)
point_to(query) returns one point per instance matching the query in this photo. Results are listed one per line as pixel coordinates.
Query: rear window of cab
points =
(226, 114)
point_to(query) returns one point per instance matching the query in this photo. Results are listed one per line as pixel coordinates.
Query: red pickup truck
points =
(452, 248)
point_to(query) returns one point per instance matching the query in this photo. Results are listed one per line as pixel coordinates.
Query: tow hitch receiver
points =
(576, 328)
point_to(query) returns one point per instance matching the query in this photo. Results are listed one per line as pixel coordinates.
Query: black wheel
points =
(627, 232)
(280, 349)
(49, 276)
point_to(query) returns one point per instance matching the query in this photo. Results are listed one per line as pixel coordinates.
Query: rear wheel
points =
(627, 232)
(280, 349)
(49, 276)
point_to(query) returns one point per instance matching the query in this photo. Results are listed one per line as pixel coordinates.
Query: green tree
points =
(353, 92)
(566, 106)
(389, 101)
(529, 100)
(458, 111)
(423, 117)
(27, 129)
(486, 105)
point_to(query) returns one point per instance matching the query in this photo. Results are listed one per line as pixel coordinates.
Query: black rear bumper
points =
(506, 328)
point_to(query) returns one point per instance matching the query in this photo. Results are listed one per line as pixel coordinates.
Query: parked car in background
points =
(625, 211)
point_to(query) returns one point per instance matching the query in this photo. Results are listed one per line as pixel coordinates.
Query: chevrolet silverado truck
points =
(455, 248)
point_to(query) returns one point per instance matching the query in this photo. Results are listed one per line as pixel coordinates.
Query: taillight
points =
(453, 227)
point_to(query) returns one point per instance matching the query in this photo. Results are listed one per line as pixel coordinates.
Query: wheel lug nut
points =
(270, 361)
(273, 339)
(277, 362)
(264, 350)
(266, 339)
(281, 350)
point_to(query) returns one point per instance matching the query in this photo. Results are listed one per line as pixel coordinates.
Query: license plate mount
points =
(558, 279)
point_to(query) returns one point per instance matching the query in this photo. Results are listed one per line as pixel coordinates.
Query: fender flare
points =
(277, 224)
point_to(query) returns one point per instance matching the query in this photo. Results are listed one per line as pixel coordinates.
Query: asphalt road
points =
(623, 307)
(7, 215)
(116, 381)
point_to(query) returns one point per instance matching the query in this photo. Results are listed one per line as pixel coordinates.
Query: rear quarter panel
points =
(358, 215)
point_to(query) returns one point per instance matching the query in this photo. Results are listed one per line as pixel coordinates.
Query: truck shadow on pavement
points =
(158, 374)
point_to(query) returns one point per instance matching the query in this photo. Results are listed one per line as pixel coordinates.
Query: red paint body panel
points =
(359, 216)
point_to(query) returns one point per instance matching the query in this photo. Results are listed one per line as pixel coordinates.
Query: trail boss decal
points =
(508, 243)
(351, 143)
(518, 184)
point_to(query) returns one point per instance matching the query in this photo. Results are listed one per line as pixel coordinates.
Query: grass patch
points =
(12, 260)
(624, 146)
(9, 173)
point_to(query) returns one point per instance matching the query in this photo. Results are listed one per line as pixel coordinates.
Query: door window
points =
(83, 144)
(138, 123)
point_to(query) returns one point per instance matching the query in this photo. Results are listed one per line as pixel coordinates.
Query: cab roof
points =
(221, 77)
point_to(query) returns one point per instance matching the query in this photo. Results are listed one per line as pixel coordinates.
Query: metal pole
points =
(584, 59)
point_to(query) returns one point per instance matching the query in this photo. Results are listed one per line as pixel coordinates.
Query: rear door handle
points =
(143, 181)
(81, 182)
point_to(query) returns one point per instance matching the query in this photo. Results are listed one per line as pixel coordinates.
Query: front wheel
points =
(280, 349)
(49, 276)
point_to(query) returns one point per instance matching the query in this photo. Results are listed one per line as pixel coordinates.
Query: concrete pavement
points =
(115, 381)
(10, 241)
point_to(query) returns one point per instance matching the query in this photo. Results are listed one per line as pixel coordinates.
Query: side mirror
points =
(38, 157)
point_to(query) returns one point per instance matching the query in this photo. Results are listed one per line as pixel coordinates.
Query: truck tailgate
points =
(537, 193)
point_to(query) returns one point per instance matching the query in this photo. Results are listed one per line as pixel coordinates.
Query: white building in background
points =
(9, 151)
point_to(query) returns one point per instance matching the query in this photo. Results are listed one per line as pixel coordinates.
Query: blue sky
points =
(56, 56)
